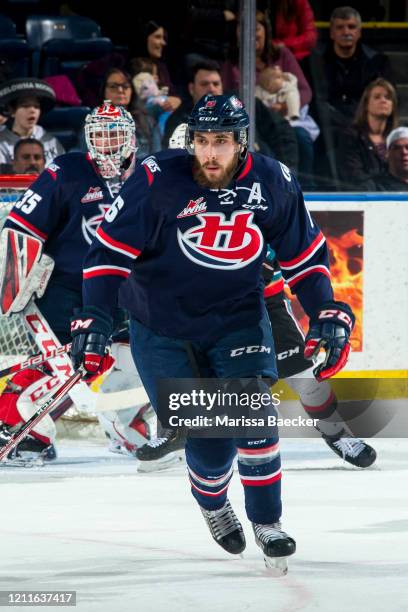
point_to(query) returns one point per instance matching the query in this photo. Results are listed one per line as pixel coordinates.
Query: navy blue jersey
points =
(193, 256)
(63, 207)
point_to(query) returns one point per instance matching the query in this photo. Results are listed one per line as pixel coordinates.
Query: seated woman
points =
(25, 99)
(362, 149)
(269, 55)
(118, 88)
(151, 44)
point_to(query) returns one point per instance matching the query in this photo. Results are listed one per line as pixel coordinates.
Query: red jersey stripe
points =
(274, 288)
(28, 226)
(116, 245)
(305, 255)
(247, 167)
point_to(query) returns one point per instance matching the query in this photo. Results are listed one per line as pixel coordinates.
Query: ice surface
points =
(130, 542)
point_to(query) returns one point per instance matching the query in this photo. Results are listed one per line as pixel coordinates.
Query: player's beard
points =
(218, 183)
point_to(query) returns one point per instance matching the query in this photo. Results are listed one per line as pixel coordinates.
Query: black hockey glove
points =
(330, 329)
(90, 331)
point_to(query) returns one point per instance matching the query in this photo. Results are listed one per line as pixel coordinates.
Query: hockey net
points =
(15, 342)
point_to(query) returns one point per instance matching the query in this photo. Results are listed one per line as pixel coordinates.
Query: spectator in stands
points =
(362, 150)
(293, 25)
(151, 43)
(153, 98)
(29, 157)
(396, 179)
(269, 55)
(25, 99)
(118, 88)
(274, 135)
(342, 71)
(209, 28)
(279, 88)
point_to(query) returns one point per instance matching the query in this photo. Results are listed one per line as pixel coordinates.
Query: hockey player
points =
(63, 209)
(189, 232)
(315, 394)
(317, 397)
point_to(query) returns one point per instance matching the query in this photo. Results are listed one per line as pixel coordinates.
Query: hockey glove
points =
(90, 331)
(330, 329)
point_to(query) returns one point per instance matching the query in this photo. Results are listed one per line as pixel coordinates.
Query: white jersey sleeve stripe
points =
(106, 271)
(306, 272)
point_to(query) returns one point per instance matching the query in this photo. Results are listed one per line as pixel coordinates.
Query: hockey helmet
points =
(110, 138)
(219, 114)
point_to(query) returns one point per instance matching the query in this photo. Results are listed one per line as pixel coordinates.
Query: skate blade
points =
(169, 461)
(22, 463)
(276, 566)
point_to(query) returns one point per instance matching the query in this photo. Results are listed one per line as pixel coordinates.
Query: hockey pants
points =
(210, 460)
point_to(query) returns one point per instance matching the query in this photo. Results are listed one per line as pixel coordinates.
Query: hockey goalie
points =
(25, 272)
(27, 282)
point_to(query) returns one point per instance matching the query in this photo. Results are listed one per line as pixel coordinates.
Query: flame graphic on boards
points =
(346, 267)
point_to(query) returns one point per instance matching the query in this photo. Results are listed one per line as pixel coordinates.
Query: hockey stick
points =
(40, 414)
(83, 397)
(35, 360)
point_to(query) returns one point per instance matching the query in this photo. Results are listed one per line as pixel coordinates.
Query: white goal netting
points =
(16, 343)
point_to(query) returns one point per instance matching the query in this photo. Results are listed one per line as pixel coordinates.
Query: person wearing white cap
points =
(396, 179)
(25, 99)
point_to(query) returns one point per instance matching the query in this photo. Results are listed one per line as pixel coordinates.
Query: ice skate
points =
(28, 452)
(276, 546)
(353, 450)
(225, 528)
(162, 451)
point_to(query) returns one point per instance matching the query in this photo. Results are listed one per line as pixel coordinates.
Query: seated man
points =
(274, 136)
(396, 179)
(29, 157)
(342, 70)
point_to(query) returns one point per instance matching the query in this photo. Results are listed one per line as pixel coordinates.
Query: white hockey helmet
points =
(178, 138)
(110, 136)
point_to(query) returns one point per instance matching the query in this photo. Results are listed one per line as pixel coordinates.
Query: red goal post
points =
(12, 186)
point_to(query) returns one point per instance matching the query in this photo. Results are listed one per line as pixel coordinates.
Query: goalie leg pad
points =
(21, 398)
(133, 427)
(24, 271)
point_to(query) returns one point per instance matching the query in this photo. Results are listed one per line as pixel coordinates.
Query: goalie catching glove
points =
(90, 331)
(330, 329)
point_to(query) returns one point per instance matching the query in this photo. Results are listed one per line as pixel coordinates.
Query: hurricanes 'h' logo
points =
(219, 243)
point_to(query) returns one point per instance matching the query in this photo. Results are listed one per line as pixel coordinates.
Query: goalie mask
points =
(111, 138)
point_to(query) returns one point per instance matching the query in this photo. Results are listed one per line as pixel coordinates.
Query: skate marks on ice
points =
(154, 579)
(129, 542)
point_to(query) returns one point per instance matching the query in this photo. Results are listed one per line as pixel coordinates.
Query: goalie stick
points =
(39, 414)
(35, 360)
(83, 397)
